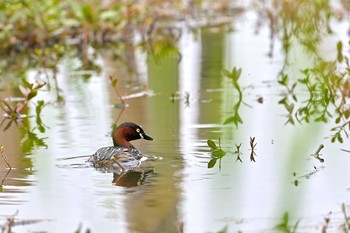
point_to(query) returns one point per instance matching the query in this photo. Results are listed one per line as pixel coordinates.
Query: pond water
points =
(181, 101)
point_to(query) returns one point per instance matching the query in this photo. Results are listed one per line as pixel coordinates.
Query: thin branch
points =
(1, 151)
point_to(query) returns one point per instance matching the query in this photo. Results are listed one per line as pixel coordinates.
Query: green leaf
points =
(239, 119)
(333, 139)
(305, 71)
(284, 80)
(340, 138)
(290, 108)
(229, 120)
(236, 73)
(337, 120)
(114, 82)
(211, 144)
(224, 230)
(283, 101)
(339, 46)
(27, 84)
(212, 163)
(32, 94)
(87, 12)
(227, 73)
(39, 106)
(218, 153)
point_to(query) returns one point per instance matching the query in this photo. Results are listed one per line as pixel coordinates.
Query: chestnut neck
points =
(120, 138)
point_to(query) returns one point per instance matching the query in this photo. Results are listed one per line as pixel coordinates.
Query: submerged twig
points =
(180, 227)
(317, 153)
(3, 179)
(114, 82)
(347, 224)
(252, 146)
(187, 99)
(309, 174)
(238, 147)
(2, 150)
(10, 168)
(10, 222)
(325, 225)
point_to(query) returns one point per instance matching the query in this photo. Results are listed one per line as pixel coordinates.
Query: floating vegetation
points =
(217, 153)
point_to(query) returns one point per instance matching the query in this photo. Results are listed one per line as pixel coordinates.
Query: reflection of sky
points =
(189, 81)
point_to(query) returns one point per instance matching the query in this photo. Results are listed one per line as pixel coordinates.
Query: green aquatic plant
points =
(238, 152)
(216, 153)
(234, 76)
(29, 91)
(223, 230)
(328, 89)
(284, 225)
(304, 24)
(286, 101)
(15, 114)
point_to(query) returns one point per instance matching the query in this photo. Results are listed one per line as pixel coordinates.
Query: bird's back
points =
(106, 156)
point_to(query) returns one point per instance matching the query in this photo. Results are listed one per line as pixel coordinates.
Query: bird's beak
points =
(146, 137)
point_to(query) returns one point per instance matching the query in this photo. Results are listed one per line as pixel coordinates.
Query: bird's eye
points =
(138, 130)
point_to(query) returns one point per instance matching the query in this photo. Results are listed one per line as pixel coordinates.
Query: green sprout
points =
(216, 153)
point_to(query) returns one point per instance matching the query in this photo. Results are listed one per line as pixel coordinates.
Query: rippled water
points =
(53, 189)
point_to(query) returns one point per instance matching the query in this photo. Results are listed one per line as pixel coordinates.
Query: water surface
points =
(181, 102)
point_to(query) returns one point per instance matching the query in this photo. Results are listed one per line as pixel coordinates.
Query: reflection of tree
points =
(163, 44)
(304, 23)
(301, 21)
(328, 89)
(16, 114)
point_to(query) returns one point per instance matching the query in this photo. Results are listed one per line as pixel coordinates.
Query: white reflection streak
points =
(190, 83)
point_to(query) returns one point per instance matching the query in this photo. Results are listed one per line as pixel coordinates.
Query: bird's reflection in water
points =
(131, 178)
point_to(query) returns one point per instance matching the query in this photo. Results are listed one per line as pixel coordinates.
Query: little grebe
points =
(122, 154)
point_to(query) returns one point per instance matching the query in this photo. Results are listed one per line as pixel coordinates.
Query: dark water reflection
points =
(190, 100)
